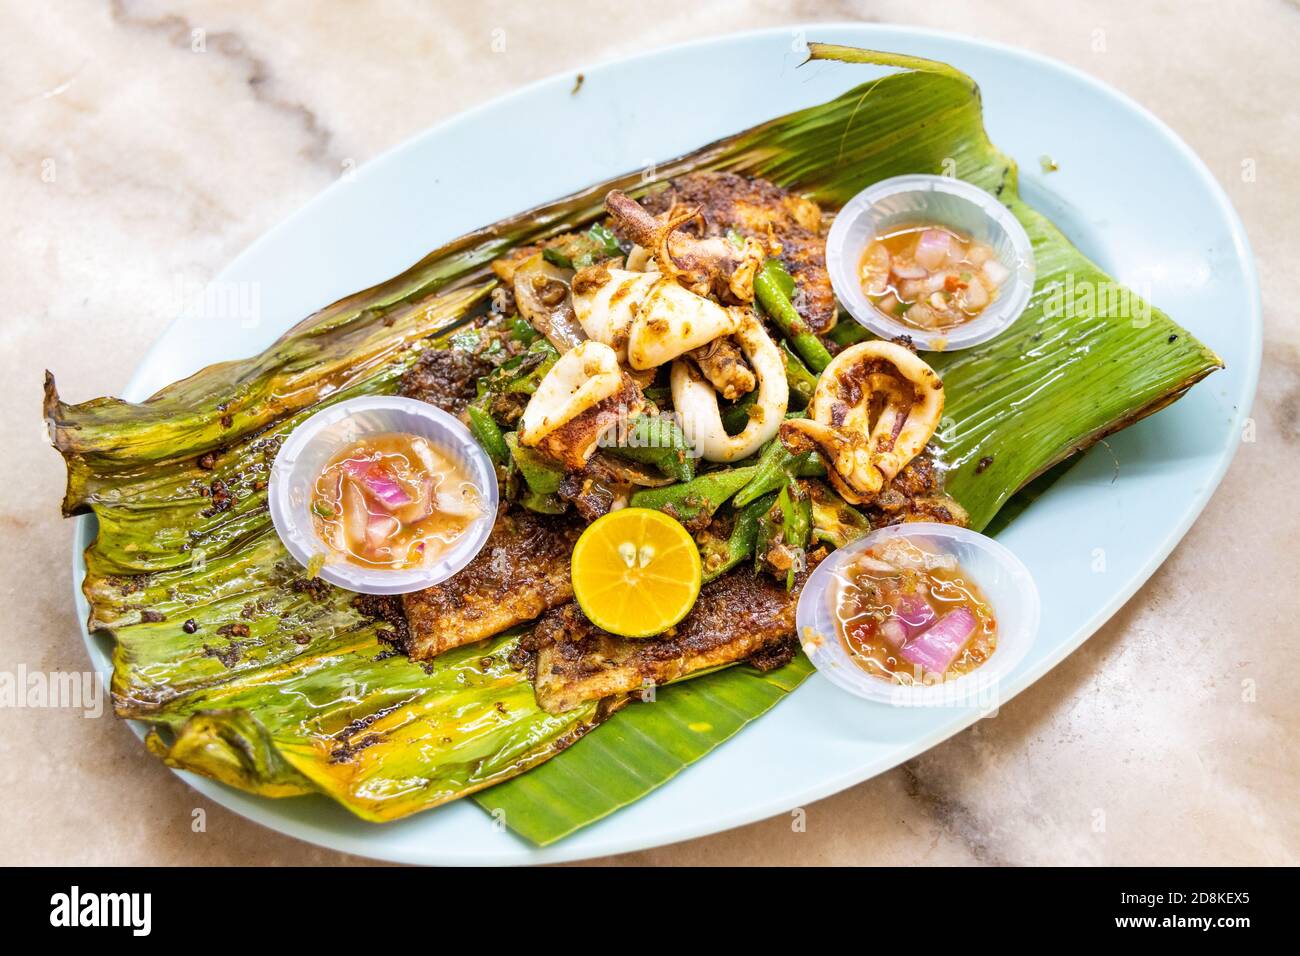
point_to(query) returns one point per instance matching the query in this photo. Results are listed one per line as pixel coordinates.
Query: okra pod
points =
(487, 433)
(773, 287)
(796, 515)
(801, 381)
(834, 520)
(848, 333)
(541, 476)
(740, 544)
(657, 441)
(693, 503)
(776, 467)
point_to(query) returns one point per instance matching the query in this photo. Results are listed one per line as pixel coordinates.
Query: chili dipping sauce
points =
(393, 501)
(909, 615)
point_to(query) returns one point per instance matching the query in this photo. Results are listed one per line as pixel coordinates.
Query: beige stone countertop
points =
(1141, 748)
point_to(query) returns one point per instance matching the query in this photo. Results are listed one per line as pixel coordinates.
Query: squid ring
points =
(872, 379)
(696, 401)
(647, 318)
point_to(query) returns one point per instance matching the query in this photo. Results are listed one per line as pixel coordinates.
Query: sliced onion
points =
(460, 503)
(382, 486)
(996, 272)
(355, 514)
(420, 507)
(935, 649)
(904, 271)
(975, 296)
(876, 566)
(875, 269)
(893, 632)
(936, 282)
(922, 315)
(932, 248)
(911, 289)
(914, 612)
(379, 528)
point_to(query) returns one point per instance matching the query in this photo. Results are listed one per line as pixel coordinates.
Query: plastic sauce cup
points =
(1004, 580)
(312, 444)
(922, 200)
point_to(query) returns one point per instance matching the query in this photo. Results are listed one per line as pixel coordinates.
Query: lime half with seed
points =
(636, 572)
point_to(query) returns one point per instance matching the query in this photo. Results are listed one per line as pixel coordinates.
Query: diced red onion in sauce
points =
(915, 613)
(932, 248)
(935, 649)
(379, 528)
(996, 272)
(382, 486)
(893, 632)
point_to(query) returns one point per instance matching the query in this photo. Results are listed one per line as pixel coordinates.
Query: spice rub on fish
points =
(750, 207)
(522, 571)
(741, 615)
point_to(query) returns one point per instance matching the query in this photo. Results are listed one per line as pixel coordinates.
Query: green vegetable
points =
(557, 258)
(802, 382)
(488, 434)
(773, 287)
(542, 475)
(547, 504)
(848, 331)
(693, 503)
(736, 416)
(521, 330)
(777, 467)
(580, 251)
(467, 340)
(834, 520)
(661, 396)
(522, 374)
(607, 241)
(657, 441)
(740, 543)
(796, 514)
(768, 530)
(322, 509)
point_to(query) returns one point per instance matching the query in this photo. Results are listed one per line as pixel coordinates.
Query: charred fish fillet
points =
(522, 571)
(738, 616)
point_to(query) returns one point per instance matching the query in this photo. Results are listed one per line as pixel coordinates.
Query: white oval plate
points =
(1129, 193)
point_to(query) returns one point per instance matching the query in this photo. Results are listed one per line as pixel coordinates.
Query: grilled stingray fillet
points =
(522, 571)
(736, 616)
(750, 207)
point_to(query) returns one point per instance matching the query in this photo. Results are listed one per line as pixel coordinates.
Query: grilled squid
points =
(696, 400)
(647, 318)
(542, 295)
(874, 408)
(583, 395)
(707, 265)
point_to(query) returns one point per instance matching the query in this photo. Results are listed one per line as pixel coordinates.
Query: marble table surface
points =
(132, 165)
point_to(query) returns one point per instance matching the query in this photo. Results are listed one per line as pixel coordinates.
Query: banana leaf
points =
(255, 675)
